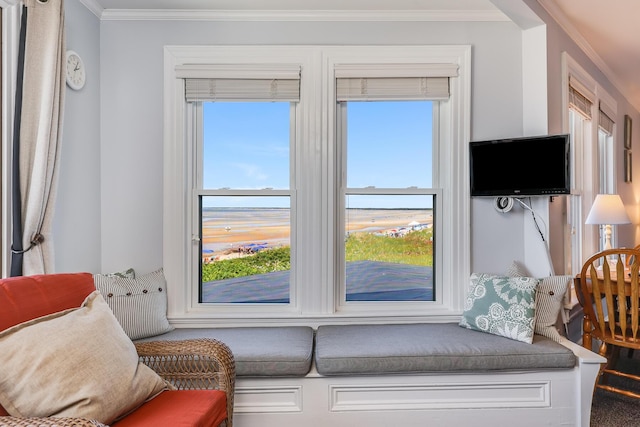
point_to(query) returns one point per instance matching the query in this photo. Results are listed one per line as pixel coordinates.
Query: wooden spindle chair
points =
(609, 293)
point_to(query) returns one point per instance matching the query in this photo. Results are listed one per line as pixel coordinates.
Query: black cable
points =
(533, 215)
(535, 221)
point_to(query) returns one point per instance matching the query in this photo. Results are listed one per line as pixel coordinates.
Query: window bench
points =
(409, 375)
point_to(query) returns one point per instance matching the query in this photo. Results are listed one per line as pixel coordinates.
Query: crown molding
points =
(561, 18)
(93, 6)
(300, 15)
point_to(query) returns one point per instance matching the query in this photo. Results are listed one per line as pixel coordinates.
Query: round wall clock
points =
(76, 74)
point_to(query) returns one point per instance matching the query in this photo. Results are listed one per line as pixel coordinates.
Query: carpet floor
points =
(612, 409)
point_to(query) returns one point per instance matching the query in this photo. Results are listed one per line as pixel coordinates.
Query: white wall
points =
(77, 217)
(132, 128)
(109, 213)
(558, 41)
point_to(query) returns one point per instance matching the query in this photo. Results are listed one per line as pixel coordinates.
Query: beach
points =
(228, 232)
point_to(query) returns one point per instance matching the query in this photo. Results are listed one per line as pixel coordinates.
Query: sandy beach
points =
(225, 232)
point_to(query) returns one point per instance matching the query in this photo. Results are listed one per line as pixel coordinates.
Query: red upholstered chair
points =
(202, 372)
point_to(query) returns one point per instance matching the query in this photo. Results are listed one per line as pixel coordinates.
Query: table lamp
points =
(607, 210)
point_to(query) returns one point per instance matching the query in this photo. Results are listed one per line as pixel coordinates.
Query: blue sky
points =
(389, 144)
(247, 145)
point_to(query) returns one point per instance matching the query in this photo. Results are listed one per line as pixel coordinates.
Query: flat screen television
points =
(526, 166)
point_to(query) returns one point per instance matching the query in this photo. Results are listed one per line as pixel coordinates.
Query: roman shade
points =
(605, 121)
(580, 98)
(379, 82)
(229, 82)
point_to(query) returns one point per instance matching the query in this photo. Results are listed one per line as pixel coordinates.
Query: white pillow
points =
(74, 363)
(139, 304)
(549, 300)
(516, 270)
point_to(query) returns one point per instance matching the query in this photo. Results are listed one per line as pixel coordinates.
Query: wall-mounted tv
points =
(526, 166)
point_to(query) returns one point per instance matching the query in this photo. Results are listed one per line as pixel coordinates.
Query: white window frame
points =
(197, 111)
(607, 152)
(342, 191)
(584, 242)
(313, 295)
(606, 159)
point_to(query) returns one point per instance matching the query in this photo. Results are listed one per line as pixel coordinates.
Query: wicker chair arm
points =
(48, 422)
(193, 364)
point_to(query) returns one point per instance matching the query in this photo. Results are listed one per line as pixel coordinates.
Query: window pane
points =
(246, 145)
(389, 247)
(245, 249)
(389, 144)
(605, 162)
(389, 237)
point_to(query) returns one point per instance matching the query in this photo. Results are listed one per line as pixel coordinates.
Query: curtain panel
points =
(39, 129)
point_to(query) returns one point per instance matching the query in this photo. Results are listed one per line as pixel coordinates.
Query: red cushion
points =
(178, 408)
(28, 297)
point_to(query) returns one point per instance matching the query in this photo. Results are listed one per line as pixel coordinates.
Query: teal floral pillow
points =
(129, 273)
(499, 305)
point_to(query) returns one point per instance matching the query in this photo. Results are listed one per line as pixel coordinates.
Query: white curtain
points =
(40, 133)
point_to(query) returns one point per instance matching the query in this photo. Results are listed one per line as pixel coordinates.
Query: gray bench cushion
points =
(433, 347)
(258, 352)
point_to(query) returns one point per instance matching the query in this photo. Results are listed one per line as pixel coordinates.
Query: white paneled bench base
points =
(408, 375)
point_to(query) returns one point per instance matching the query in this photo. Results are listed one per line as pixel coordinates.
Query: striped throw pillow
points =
(139, 304)
(549, 300)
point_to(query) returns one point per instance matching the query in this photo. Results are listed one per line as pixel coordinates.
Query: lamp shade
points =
(608, 209)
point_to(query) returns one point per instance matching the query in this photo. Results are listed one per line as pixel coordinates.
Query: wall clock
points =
(76, 73)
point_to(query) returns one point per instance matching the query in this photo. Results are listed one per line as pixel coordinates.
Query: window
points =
(243, 128)
(321, 182)
(580, 126)
(606, 161)
(245, 202)
(387, 189)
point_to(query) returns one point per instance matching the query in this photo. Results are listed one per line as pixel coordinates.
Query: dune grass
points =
(265, 261)
(415, 248)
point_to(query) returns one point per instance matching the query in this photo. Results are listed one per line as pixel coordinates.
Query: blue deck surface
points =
(366, 281)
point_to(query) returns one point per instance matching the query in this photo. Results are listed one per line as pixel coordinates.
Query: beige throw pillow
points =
(549, 300)
(139, 304)
(75, 363)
